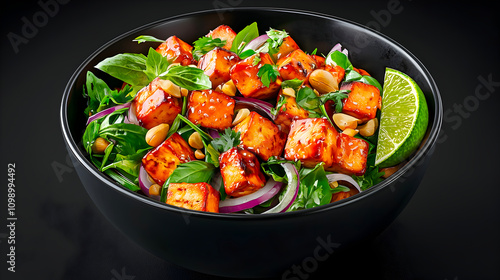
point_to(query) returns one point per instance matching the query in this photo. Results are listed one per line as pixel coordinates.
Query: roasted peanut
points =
(289, 92)
(229, 88)
(195, 141)
(351, 132)
(154, 189)
(184, 91)
(334, 184)
(170, 88)
(323, 81)
(369, 128)
(240, 116)
(344, 121)
(156, 135)
(100, 145)
(199, 154)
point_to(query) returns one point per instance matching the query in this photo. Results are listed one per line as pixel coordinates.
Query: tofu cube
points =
(177, 51)
(337, 72)
(261, 136)
(285, 48)
(289, 112)
(161, 161)
(320, 61)
(154, 106)
(194, 196)
(296, 65)
(217, 64)
(241, 172)
(223, 32)
(351, 155)
(312, 141)
(210, 109)
(244, 76)
(362, 102)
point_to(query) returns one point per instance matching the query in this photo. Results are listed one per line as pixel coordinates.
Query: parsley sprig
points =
(206, 44)
(268, 73)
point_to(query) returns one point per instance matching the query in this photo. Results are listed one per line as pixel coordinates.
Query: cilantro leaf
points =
(227, 140)
(337, 97)
(371, 177)
(268, 73)
(294, 84)
(279, 105)
(275, 40)
(206, 44)
(256, 60)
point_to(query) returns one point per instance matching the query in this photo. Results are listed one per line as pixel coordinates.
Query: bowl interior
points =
(368, 49)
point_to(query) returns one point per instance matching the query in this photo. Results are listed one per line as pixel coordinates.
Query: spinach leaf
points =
(128, 163)
(129, 138)
(190, 172)
(147, 38)
(128, 67)
(187, 77)
(156, 64)
(101, 97)
(243, 37)
(314, 189)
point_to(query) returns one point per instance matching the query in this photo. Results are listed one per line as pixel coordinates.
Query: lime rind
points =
(403, 120)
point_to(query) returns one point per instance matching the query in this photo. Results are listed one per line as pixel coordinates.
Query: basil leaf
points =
(190, 172)
(243, 37)
(129, 138)
(147, 38)
(205, 137)
(351, 76)
(268, 73)
(101, 97)
(206, 44)
(337, 58)
(156, 64)
(91, 133)
(307, 99)
(187, 77)
(128, 67)
(314, 188)
(247, 53)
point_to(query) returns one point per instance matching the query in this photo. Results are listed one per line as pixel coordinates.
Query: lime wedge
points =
(403, 120)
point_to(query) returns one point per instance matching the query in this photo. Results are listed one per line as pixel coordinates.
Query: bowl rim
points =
(423, 150)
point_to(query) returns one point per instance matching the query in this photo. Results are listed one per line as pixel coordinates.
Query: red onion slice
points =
(214, 133)
(106, 112)
(256, 43)
(262, 106)
(132, 117)
(342, 177)
(230, 205)
(338, 47)
(145, 183)
(291, 190)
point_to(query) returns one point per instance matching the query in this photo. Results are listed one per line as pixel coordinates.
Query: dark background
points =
(449, 230)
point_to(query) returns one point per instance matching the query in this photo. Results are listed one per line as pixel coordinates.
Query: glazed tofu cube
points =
(351, 155)
(261, 136)
(289, 112)
(194, 196)
(362, 102)
(285, 48)
(210, 109)
(337, 72)
(223, 32)
(161, 161)
(217, 64)
(154, 106)
(320, 61)
(312, 141)
(177, 51)
(241, 172)
(244, 76)
(296, 65)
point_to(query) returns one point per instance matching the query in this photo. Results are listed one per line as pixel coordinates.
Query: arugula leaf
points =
(206, 44)
(337, 97)
(128, 67)
(227, 140)
(294, 84)
(147, 38)
(189, 172)
(190, 78)
(338, 58)
(243, 37)
(156, 64)
(268, 73)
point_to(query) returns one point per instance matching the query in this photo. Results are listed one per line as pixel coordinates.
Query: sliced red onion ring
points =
(132, 118)
(145, 183)
(338, 47)
(258, 104)
(214, 133)
(342, 177)
(291, 190)
(230, 205)
(106, 112)
(256, 43)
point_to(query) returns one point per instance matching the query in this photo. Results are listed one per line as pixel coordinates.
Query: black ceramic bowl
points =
(255, 245)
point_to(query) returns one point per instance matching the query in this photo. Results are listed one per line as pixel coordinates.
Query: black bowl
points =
(255, 245)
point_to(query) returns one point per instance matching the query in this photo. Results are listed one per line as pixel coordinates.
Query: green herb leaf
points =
(128, 67)
(243, 37)
(206, 44)
(314, 189)
(351, 76)
(156, 64)
(121, 180)
(101, 97)
(371, 177)
(227, 140)
(294, 84)
(128, 163)
(307, 99)
(205, 137)
(247, 53)
(147, 38)
(212, 155)
(371, 81)
(273, 168)
(337, 58)
(129, 138)
(256, 60)
(281, 102)
(190, 172)
(337, 97)
(190, 78)
(275, 40)
(268, 73)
